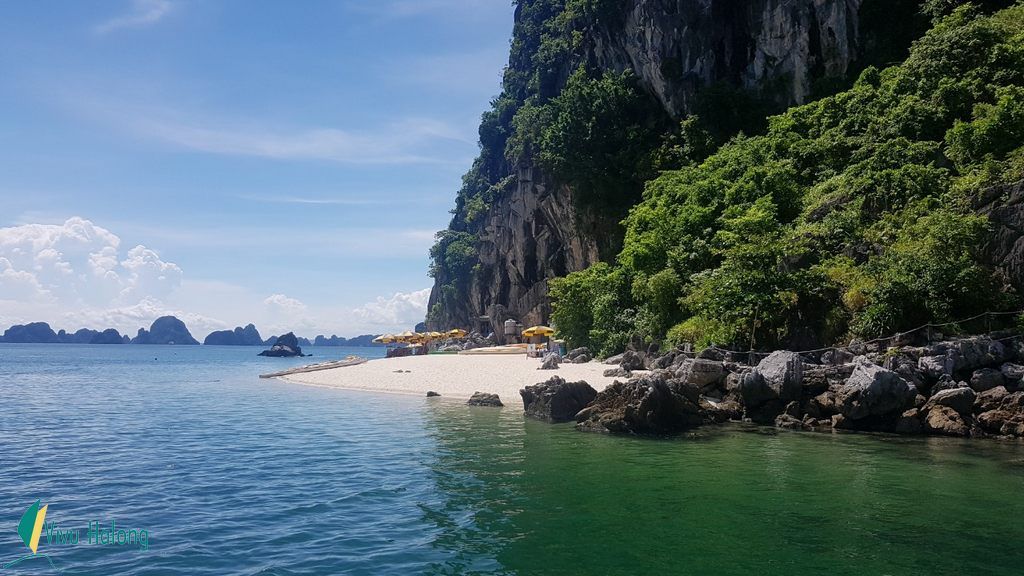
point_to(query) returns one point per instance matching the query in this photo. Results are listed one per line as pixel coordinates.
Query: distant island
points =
(248, 336)
(41, 333)
(167, 330)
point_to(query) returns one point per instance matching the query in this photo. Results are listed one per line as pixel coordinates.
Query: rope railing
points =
(895, 336)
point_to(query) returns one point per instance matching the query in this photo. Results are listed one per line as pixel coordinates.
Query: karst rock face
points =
(533, 231)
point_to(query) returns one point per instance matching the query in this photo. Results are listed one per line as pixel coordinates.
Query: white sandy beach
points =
(452, 376)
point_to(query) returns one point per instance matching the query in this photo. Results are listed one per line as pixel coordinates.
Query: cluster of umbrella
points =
(409, 337)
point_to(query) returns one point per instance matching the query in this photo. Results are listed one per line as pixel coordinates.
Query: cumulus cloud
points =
(143, 13)
(402, 310)
(282, 303)
(48, 270)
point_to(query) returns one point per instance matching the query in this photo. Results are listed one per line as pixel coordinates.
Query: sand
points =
(452, 375)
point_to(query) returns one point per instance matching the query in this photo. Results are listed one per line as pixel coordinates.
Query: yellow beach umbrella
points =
(405, 336)
(436, 335)
(538, 331)
(384, 339)
(457, 333)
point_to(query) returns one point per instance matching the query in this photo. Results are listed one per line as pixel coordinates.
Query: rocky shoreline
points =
(965, 387)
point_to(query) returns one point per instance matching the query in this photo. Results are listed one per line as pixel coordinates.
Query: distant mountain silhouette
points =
(165, 330)
(248, 336)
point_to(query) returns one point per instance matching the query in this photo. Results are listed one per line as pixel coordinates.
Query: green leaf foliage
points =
(849, 216)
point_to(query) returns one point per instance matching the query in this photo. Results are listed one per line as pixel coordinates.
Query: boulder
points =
(946, 421)
(978, 352)
(617, 372)
(959, 399)
(782, 372)
(581, 359)
(788, 422)
(484, 399)
(753, 389)
(946, 382)
(906, 367)
(836, 357)
(909, 423)
(550, 362)
(990, 399)
(993, 421)
(614, 360)
(1012, 373)
(632, 361)
(701, 373)
(432, 394)
(650, 404)
(667, 360)
(873, 391)
(575, 352)
(986, 379)
(720, 411)
(935, 367)
(556, 400)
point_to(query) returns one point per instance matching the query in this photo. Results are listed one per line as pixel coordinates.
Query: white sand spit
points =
(452, 375)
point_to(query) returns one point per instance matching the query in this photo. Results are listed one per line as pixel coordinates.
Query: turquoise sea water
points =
(229, 474)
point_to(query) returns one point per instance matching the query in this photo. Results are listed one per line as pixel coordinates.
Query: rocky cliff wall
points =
(533, 232)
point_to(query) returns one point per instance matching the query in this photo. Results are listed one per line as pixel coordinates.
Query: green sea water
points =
(231, 474)
(730, 500)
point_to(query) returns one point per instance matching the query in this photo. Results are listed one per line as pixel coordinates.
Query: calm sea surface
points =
(229, 474)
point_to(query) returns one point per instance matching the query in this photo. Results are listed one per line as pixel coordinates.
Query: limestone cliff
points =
(532, 229)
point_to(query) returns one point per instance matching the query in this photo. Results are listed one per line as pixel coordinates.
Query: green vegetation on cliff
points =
(851, 215)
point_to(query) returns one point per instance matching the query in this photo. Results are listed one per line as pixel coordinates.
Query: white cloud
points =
(282, 303)
(48, 269)
(143, 13)
(77, 274)
(402, 310)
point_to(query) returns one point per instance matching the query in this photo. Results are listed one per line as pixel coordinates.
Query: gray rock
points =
(1012, 372)
(986, 379)
(906, 367)
(959, 399)
(936, 366)
(550, 362)
(484, 399)
(946, 382)
(432, 394)
(649, 404)
(782, 372)
(583, 350)
(617, 372)
(632, 361)
(556, 400)
(753, 390)
(702, 373)
(581, 359)
(873, 391)
(836, 356)
(614, 360)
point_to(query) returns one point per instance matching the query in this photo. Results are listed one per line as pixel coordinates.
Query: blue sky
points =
(284, 163)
